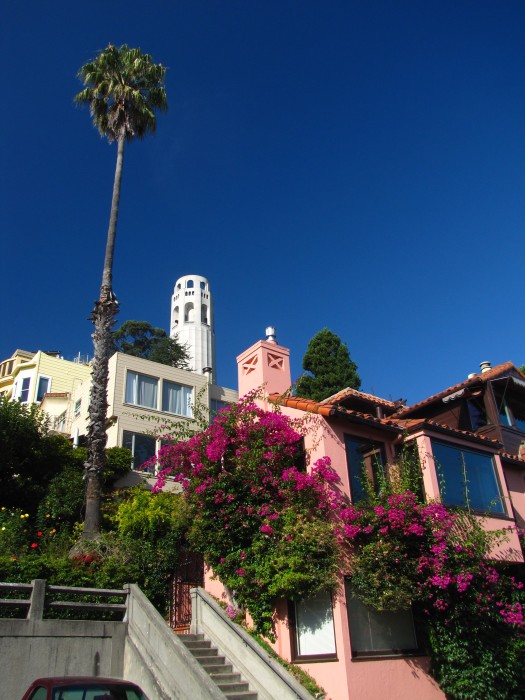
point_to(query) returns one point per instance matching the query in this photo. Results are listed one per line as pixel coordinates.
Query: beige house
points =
(144, 399)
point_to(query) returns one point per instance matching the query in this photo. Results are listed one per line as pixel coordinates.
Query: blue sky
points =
(356, 165)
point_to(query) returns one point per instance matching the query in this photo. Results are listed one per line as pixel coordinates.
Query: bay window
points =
(467, 478)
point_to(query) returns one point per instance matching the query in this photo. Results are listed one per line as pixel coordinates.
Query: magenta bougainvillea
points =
(261, 520)
(408, 551)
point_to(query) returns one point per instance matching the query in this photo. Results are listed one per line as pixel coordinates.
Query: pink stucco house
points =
(353, 651)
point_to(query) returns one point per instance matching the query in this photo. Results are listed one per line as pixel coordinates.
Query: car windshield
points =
(96, 691)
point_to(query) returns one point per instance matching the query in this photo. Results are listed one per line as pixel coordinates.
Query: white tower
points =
(192, 322)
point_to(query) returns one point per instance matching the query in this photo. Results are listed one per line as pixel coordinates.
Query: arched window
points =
(188, 313)
(176, 316)
(189, 284)
(204, 313)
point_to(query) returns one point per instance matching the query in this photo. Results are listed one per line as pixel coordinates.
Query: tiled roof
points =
(341, 395)
(507, 456)
(481, 377)
(331, 409)
(412, 424)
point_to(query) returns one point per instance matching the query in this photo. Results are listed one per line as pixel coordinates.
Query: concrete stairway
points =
(219, 670)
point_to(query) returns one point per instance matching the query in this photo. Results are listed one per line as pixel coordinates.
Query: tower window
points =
(203, 285)
(204, 314)
(189, 313)
(189, 284)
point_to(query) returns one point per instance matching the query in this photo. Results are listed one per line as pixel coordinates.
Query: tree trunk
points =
(103, 317)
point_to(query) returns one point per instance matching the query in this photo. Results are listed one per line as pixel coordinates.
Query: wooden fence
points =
(38, 600)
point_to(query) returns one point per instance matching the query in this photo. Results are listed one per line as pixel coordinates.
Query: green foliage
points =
(149, 533)
(118, 463)
(141, 339)
(30, 457)
(328, 368)
(123, 89)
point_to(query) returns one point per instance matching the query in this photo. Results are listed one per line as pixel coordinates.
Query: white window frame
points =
(39, 377)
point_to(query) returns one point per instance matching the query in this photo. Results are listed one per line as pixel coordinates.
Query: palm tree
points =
(123, 88)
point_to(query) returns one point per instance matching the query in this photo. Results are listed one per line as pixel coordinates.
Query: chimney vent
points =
(485, 366)
(270, 334)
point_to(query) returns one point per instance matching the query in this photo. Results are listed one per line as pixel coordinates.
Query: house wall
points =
(124, 416)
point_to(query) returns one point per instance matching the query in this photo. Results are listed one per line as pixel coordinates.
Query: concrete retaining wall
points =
(31, 649)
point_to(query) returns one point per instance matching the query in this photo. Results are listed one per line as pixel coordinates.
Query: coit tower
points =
(192, 322)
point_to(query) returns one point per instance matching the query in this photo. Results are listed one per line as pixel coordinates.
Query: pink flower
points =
(267, 529)
(240, 572)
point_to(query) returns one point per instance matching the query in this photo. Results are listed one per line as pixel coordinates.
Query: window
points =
(467, 478)
(143, 447)
(176, 398)
(363, 458)
(76, 409)
(43, 386)
(188, 312)
(60, 422)
(374, 633)
(217, 405)
(24, 391)
(476, 413)
(512, 414)
(312, 628)
(141, 390)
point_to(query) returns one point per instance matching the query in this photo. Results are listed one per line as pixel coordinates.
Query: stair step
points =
(228, 687)
(225, 677)
(214, 666)
(192, 638)
(198, 644)
(203, 652)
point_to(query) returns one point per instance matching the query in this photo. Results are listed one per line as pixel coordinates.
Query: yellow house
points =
(43, 378)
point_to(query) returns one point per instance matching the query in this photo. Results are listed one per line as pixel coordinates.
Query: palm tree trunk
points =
(103, 317)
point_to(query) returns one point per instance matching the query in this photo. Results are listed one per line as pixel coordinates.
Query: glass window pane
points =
(141, 390)
(143, 447)
(42, 388)
(467, 478)
(176, 398)
(315, 625)
(449, 468)
(355, 462)
(374, 631)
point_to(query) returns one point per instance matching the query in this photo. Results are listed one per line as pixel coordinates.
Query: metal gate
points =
(188, 574)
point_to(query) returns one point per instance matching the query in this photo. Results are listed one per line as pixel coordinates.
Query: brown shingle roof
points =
(481, 377)
(412, 424)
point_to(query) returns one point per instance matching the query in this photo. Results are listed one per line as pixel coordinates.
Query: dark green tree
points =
(328, 368)
(123, 88)
(141, 339)
(29, 457)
